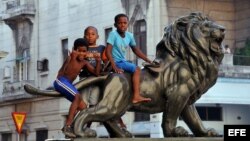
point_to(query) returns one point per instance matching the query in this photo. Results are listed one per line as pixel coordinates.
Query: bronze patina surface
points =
(189, 55)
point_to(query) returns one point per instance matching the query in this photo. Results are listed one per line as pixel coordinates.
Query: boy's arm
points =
(108, 53)
(140, 54)
(98, 66)
(91, 69)
(104, 57)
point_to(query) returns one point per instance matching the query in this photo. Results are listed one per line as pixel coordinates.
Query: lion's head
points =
(194, 38)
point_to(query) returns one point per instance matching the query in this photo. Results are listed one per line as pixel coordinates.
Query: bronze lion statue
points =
(189, 55)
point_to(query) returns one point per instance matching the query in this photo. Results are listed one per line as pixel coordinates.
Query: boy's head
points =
(81, 46)
(91, 35)
(121, 22)
(80, 43)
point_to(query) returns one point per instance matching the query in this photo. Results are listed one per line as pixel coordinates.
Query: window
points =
(142, 136)
(107, 31)
(12, 4)
(43, 65)
(6, 137)
(6, 72)
(41, 135)
(23, 136)
(64, 48)
(210, 113)
(19, 71)
(142, 116)
(22, 65)
(140, 32)
(103, 137)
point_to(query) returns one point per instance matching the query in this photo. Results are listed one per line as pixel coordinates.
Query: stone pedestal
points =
(144, 139)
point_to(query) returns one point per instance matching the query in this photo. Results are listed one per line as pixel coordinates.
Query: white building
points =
(36, 34)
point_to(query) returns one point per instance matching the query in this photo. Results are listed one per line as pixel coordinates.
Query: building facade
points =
(37, 34)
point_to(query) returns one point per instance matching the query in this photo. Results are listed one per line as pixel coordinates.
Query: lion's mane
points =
(190, 38)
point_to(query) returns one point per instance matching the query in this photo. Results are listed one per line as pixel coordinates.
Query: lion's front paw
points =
(212, 133)
(127, 133)
(179, 132)
(87, 133)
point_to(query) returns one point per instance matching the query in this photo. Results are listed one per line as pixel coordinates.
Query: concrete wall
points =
(231, 114)
(242, 22)
(230, 13)
(42, 113)
(58, 19)
(223, 12)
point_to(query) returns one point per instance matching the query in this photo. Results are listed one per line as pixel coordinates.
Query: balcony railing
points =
(229, 68)
(11, 4)
(241, 60)
(18, 10)
(15, 90)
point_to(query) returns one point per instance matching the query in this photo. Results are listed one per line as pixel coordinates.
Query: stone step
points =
(144, 139)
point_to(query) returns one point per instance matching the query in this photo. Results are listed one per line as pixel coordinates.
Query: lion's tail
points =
(36, 91)
(52, 93)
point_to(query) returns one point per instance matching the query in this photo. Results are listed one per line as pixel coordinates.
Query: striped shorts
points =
(65, 88)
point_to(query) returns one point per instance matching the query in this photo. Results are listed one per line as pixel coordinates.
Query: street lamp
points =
(3, 54)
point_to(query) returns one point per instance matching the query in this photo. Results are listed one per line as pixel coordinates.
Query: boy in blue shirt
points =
(117, 43)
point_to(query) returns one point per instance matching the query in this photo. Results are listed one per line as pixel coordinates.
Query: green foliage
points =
(245, 51)
(242, 55)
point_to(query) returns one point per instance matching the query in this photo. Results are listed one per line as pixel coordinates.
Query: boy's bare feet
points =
(139, 99)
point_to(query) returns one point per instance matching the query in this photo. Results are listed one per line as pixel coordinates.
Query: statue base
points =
(153, 139)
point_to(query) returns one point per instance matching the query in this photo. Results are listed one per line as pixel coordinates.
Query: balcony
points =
(228, 69)
(15, 90)
(17, 12)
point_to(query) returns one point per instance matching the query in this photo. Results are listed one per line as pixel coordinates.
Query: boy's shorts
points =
(126, 66)
(65, 87)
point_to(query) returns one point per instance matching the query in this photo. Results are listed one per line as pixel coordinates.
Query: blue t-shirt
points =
(120, 44)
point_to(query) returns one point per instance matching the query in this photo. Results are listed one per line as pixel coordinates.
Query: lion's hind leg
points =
(115, 102)
(115, 131)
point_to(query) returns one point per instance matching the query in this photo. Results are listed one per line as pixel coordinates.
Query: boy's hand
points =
(98, 59)
(117, 70)
(93, 55)
(96, 55)
(90, 55)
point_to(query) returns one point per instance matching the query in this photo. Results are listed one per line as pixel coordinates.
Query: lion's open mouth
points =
(218, 36)
(216, 45)
(219, 40)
